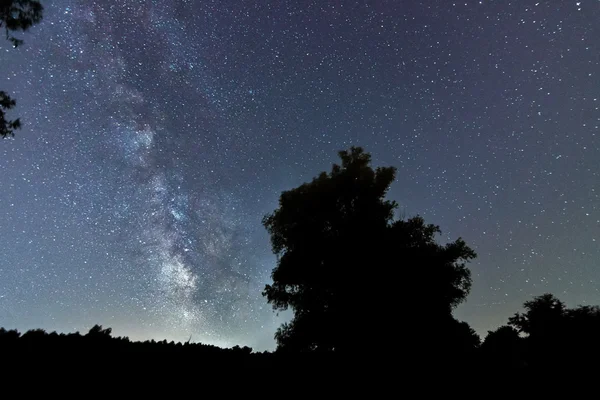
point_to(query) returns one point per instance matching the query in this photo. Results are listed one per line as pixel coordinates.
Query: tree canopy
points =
(545, 334)
(542, 315)
(346, 265)
(15, 15)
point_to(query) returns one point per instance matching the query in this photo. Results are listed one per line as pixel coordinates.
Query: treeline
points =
(100, 340)
(99, 344)
(545, 334)
(99, 358)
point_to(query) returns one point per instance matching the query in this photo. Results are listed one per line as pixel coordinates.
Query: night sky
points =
(158, 133)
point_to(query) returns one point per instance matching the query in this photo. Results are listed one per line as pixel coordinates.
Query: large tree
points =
(351, 272)
(15, 15)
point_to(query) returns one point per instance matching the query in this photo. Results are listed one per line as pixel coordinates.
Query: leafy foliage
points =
(19, 15)
(542, 315)
(7, 128)
(345, 264)
(553, 334)
(15, 15)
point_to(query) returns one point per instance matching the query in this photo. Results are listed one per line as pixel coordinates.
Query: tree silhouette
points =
(542, 316)
(15, 15)
(345, 265)
(7, 127)
(97, 331)
(542, 323)
(503, 348)
(555, 334)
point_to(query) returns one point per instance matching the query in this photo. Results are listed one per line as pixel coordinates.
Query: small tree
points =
(15, 15)
(97, 332)
(346, 267)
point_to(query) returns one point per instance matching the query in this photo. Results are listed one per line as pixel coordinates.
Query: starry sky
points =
(158, 133)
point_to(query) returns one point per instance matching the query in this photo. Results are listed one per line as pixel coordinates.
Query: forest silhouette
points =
(371, 295)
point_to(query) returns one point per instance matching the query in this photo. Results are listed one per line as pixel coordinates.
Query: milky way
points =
(158, 133)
